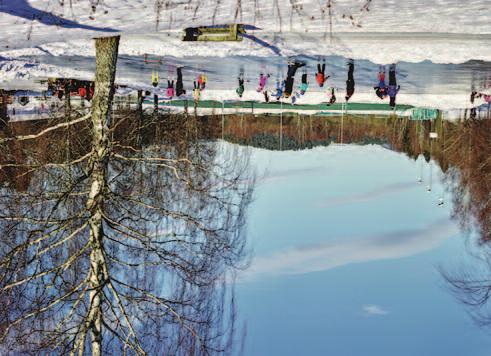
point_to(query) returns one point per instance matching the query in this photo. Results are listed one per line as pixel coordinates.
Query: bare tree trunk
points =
(68, 104)
(106, 58)
(139, 111)
(3, 110)
(155, 106)
(139, 107)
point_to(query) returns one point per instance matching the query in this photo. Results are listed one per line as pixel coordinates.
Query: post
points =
(281, 127)
(223, 119)
(342, 122)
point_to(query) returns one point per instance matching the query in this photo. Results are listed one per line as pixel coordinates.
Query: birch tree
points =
(128, 243)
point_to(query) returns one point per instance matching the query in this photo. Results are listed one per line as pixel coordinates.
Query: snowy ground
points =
(54, 22)
(381, 48)
(424, 84)
(442, 48)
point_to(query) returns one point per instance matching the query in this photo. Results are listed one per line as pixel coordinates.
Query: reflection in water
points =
(461, 149)
(172, 212)
(471, 190)
(329, 255)
(472, 287)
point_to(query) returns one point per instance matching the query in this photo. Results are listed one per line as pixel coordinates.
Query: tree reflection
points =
(472, 286)
(470, 184)
(462, 150)
(169, 218)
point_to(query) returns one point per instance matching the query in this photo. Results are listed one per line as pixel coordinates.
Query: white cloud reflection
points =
(322, 257)
(371, 195)
(374, 310)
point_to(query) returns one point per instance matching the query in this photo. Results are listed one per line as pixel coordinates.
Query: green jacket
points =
(240, 90)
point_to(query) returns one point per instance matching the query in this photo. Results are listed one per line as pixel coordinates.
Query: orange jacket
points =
(202, 79)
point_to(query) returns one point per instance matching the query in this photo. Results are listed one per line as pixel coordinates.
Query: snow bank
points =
(14, 70)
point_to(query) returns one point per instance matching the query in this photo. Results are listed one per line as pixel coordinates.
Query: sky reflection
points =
(347, 249)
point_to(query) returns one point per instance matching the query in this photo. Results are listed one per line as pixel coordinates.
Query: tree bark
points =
(3, 110)
(68, 103)
(155, 106)
(139, 107)
(106, 59)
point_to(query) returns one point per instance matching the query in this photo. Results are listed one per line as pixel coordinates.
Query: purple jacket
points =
(392, 90)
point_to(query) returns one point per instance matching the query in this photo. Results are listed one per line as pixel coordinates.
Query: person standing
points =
(170, 88)
(155, 79)
(381, 88)
(332, 97)
(473, 96)
(240, 88)
(196, 93)
(179, 84)
(290, 77)
(280, 86)
(305, 84)
(393, 88)
(350, 82)
(202, 79)
(320, 76)
(263, 79)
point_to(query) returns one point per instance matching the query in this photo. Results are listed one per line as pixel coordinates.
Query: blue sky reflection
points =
(346, 250)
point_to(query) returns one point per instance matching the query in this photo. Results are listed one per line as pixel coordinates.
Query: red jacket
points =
(82, 92)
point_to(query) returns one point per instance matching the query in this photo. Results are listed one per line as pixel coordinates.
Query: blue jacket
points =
(279, 89)
(392, 90)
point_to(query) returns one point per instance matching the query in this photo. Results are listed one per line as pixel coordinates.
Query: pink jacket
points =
(170, 92)
(263, 79)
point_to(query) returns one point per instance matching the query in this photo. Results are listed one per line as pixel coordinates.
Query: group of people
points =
(475, 95)
(198, 86)
(175, 88)
(285, 89)
(61, 87)
(382, 90)
(484, 96)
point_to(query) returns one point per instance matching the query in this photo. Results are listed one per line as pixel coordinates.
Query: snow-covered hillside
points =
(75, 19)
